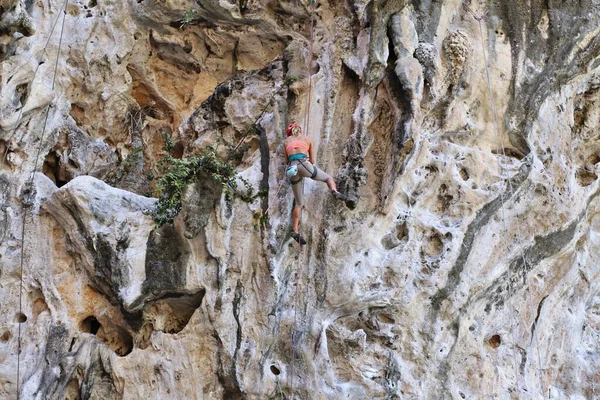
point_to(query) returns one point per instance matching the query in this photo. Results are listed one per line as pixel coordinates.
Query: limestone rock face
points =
(467, 262)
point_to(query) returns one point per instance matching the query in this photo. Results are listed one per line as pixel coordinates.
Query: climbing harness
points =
(29, 183)
(291, 170)
(511, 190)
(314, 172)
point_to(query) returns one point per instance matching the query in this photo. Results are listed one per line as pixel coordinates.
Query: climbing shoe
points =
(339, 196)
(298, 238)
(350, 203)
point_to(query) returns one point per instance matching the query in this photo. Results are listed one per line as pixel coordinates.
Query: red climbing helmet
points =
(290, 127)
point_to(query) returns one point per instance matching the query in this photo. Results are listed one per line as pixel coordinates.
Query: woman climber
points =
(300, 157)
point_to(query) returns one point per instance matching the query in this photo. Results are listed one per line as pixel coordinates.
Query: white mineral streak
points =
(444, 281)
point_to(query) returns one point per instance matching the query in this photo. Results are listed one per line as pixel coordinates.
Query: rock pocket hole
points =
(115, 337)
(20, 318)
(90, 325)
(585, 177)
(72, 390)
(52, 169)
(169, 314)
(5, 337)
(433, 247)
(593, 159)
(274, 370)
(398, 236)
(22, 91)
(494, 342)
(178, 150)
(3, 150)
(315, 67)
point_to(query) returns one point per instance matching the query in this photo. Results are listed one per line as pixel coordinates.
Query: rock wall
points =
(466, 266)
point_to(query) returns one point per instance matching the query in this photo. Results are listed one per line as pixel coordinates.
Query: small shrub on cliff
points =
(189, 18)
(179, 173)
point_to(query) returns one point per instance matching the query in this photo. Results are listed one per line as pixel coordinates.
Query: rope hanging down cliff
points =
(29, 184)
(479, 19)
(39, 63)
(299, 264)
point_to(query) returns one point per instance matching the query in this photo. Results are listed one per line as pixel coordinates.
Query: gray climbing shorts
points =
(305, 170)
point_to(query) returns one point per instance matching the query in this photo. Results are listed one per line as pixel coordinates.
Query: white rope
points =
(519, 236)
(306, 123)
(30, 184)
(20, 115)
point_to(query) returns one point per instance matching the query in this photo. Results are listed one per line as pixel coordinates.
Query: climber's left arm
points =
(311, 152)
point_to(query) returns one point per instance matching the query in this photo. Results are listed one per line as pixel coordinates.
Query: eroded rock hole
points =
(22, 92)
(173, 312)
(52, 169)
(169, 314)
(580, 116)
(72, 390)
(178, 150)
(90, 325)
(585, 176)
(39, 303)
(494, 342)
(464, 174)
(434, 246)
(510, 152)
(274, 370)
(20, 318)
(315, 67)
(148, 101)
(92, 4)
(398, 236)
(119, 340)
(386, 319)
(115, 337)
(593, 159)
(402, 232)
(5, 337)
(78, 114)
(3, 150)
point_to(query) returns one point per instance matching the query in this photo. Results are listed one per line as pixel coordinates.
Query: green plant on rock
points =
(179, 173)
(169, 144)
(260, 220)
(189, 18)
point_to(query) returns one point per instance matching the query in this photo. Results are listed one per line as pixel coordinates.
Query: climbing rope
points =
(306, 127)
(29, 184)
(309, 64)
(262, 113)
(20, 115)
(276, 194)
(296, 302)
(479, 19)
